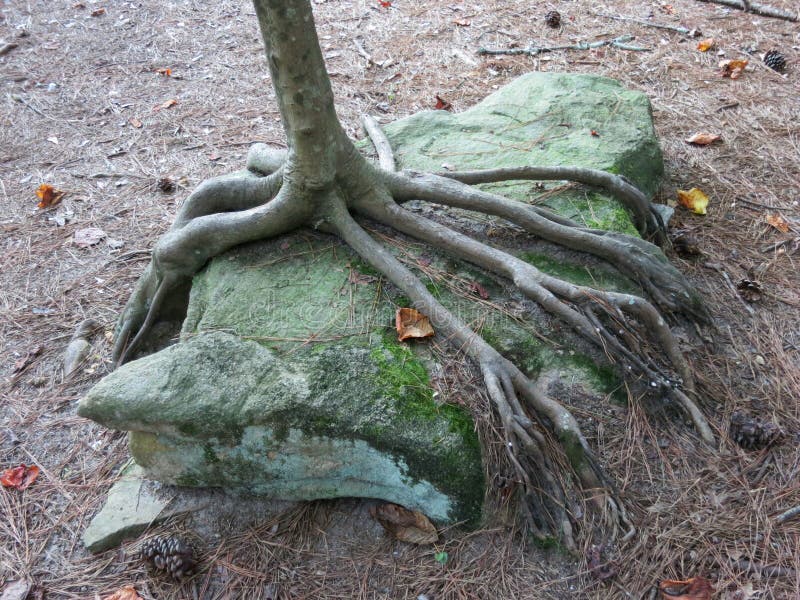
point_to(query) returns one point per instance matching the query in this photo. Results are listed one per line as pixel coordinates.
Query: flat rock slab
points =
(133, 505)
(288, 379)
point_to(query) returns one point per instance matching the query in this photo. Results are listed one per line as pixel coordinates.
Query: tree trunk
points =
(317, 143)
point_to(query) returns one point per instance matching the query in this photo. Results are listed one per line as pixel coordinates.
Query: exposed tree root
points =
(274, 197)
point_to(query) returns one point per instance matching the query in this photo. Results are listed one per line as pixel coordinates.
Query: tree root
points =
(550, 292)
(203, 229)
(503, 382)
(272, 198)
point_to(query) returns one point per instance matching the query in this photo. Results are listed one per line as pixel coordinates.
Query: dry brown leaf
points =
(168, 104)
(442, 104)
(19, 477)
(733, 68)
(135, 122)
(88, 237)
(696, 588)
(706, 44)
(410, 323)
(98, 11)
(127, 592)
(695, 200)
(405, 525)
(778, 222)
(48, 195)
(702, 138)
(463, 22)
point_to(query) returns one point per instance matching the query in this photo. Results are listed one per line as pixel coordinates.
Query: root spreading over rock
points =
(324, 183)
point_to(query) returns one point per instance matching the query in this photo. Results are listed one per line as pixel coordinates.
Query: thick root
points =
(204, 228)
(571, 303)
(503, 380)
(648, 222)
(633, 257)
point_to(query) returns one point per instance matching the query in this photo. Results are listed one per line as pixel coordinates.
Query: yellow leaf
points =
(703, 138)
(706, 44)
(48, 195)
(778, 222)
(695, 200)
(733, 68)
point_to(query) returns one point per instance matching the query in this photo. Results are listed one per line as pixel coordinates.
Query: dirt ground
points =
(84, 108)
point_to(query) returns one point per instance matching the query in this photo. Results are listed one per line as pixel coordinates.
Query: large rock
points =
(288, 380)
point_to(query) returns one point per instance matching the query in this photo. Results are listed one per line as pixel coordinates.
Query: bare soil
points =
(84, 108)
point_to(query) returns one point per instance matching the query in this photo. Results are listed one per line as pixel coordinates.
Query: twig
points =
(787, 515)
(749, 566)
(6, 48)
(682, 30)
(618, 42)
(757, 9)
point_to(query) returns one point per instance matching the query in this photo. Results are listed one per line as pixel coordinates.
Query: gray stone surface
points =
(133, 505)
(288, 379)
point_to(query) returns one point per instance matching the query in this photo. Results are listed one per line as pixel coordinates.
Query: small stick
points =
(682, 30)
(618, 42)
(6, 48)
(762, 10)
(787, 515)
(749, 566)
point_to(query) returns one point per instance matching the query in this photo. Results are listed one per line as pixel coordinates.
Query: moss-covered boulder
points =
(288, 379)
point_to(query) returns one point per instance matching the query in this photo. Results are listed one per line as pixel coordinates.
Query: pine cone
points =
(775, 60)
(751, 434)
(169, 554)
(553, 19)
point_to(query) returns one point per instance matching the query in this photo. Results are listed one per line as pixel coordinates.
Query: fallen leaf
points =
(442, 104)
(98, 11)
(26, 360)
(696, 588)
(19, 477)
(702, 138)
(695, 200)
(88, 237)
(733, 68)
(168, 104)
(405, 525)
(477, 288)
(706, 44)
(135, 122)
(164, 72)
(410, 323)
(463, 22)
(48, 195)
(16, 590)
(125, 593)
(778, 222)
